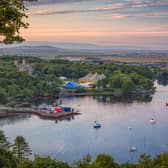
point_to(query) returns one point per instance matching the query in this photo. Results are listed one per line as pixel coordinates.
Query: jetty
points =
(42, 114)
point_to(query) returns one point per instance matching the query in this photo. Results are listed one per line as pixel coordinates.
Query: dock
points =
(41, 114)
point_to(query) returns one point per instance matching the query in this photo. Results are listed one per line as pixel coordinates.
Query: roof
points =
(71, 85)
(93, 77)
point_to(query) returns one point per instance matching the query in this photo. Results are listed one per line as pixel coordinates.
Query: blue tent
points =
(71, 85)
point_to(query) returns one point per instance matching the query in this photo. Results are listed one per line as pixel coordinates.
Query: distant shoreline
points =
(106, 93)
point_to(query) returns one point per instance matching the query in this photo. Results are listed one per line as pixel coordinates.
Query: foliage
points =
(104, 161)
(3, 96)
(127, 81)
(8, 160)
(86, 162)
(21, 148)
(25, 164)
(4, 140)
(12, 13)
(47, 162)
(45, 78)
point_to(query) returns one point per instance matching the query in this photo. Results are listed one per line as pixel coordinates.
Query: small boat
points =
(152, 121)
(130, 128)
(133, 149)
(97, 125)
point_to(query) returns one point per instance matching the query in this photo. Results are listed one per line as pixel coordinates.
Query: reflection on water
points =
(112, 99)
(71, 139)
(13, 119)
(162, 82)
(162, 78)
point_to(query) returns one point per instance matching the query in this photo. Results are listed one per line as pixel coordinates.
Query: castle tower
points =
(24, 61)
(15, 62)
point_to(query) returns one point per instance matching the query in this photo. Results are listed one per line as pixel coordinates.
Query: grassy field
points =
(131, 59)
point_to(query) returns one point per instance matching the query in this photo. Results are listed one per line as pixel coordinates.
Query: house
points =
(63, 78)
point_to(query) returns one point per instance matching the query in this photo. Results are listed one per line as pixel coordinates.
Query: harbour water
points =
(123, 125)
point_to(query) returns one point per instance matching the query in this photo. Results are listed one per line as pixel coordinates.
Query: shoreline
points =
(106, 93)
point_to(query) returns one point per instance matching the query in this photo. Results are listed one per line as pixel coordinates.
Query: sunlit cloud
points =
(149, 3)
(111, 7)
(45, 2)
(133, 15)
(98, 9)
(114, 21)
(123, 5)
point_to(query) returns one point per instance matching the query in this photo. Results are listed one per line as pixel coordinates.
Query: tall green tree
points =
(7, 160)
(145, 161)
(3, 96)
(128, 86)
(86, 162)
(4, 140)
(21, 148)
(104, 161)
(164, 160)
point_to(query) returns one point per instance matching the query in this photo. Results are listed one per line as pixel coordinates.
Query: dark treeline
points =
(16, 155)
(45, 77)
(162, 77)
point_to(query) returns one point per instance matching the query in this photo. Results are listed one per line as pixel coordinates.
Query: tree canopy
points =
(12, 13)
(8, 159)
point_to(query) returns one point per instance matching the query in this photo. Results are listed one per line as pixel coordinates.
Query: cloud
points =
(44, 2)
(137, 4)
(149, 3)
(98, 9)
(118, 10)
(149, 14)
(112, 6)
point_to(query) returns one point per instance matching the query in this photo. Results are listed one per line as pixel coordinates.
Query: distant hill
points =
(55, 49)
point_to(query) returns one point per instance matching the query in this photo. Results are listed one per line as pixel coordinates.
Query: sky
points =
(106, 22)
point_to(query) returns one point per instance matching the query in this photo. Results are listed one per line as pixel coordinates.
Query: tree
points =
(3, 96)
(128, 165)
(25, 164)
(127, 86)
(7, 160)
(104, 161)
(145, 161)
(146, 84)
(21, 148)
(4, 140)
(164, 160)
(12, 13)
(47, 162)
(86, 162)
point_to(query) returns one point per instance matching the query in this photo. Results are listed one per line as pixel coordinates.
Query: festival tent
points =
(92, 77)
(57, 109)
(71, 85)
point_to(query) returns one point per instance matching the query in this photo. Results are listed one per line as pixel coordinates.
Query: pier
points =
(41, 114)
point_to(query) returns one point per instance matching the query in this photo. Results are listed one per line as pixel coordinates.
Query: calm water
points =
(71, 139)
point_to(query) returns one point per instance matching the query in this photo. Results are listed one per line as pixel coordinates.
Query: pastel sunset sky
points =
(108, 22)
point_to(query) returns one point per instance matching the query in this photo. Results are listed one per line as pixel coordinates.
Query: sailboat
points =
(96, 125)
(152, 121)
(133, 149)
